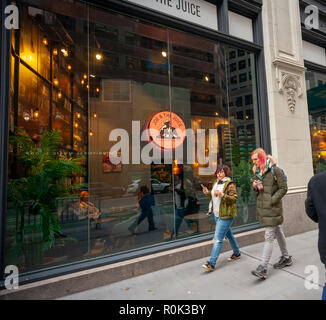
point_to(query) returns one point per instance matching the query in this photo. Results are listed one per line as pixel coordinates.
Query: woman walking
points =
(270, 182)
(223, 197)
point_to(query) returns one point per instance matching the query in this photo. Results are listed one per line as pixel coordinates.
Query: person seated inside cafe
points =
(87, 208)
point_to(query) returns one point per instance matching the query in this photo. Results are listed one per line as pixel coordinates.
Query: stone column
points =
(288, 109)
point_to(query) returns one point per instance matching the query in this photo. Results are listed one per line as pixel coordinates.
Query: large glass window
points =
(316, 94)
(87, 88)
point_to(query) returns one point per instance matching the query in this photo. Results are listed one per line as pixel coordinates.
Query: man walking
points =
(271, 185)
(315, 209)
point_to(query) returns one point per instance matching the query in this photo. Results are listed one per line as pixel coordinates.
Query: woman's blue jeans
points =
(222, 230)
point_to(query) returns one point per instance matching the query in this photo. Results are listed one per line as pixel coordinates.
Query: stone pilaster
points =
(288, 110)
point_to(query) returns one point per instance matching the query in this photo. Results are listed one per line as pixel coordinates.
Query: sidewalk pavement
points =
(229, 281)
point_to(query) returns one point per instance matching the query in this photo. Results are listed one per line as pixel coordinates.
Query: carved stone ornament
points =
(291, 85)
(289, 76)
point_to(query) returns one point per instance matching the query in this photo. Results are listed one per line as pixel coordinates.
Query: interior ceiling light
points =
(69, 66)
(64, 52)
(164, 54)
(85, 76)
(99, 56)
(26, 116)
(45, 41)
(55, 51)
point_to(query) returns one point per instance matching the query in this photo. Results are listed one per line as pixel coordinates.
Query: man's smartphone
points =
(202, 186)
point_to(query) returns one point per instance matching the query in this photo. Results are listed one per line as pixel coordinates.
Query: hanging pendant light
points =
(36, 113)
(98, 56)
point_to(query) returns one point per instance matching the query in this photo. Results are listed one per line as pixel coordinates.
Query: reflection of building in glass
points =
(241, 101)
(314, 79)
(316, 94)
(46, 75)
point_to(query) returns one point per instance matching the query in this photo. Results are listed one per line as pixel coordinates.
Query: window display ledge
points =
(92, 278)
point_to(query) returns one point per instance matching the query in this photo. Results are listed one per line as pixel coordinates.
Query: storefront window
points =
(87, 85)
(316, 92)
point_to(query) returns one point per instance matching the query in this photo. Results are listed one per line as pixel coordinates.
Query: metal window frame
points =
(313, 36)
(316, 37)
(315, 66)
(249, 9)
(4, 132)
(170, 22)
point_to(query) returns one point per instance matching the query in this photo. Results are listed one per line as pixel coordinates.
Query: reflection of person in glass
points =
(224, 197)
(87, 208)
(145, 203)
(180, 198)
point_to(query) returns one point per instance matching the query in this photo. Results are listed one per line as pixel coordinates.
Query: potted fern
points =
(46, 178)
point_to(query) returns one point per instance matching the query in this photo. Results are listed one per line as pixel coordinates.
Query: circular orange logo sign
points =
(166, 130)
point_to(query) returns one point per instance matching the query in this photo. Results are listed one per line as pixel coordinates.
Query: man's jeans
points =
(270, 234)
(222, 230)
(179, 217)
(145, 214)
(324, 291)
